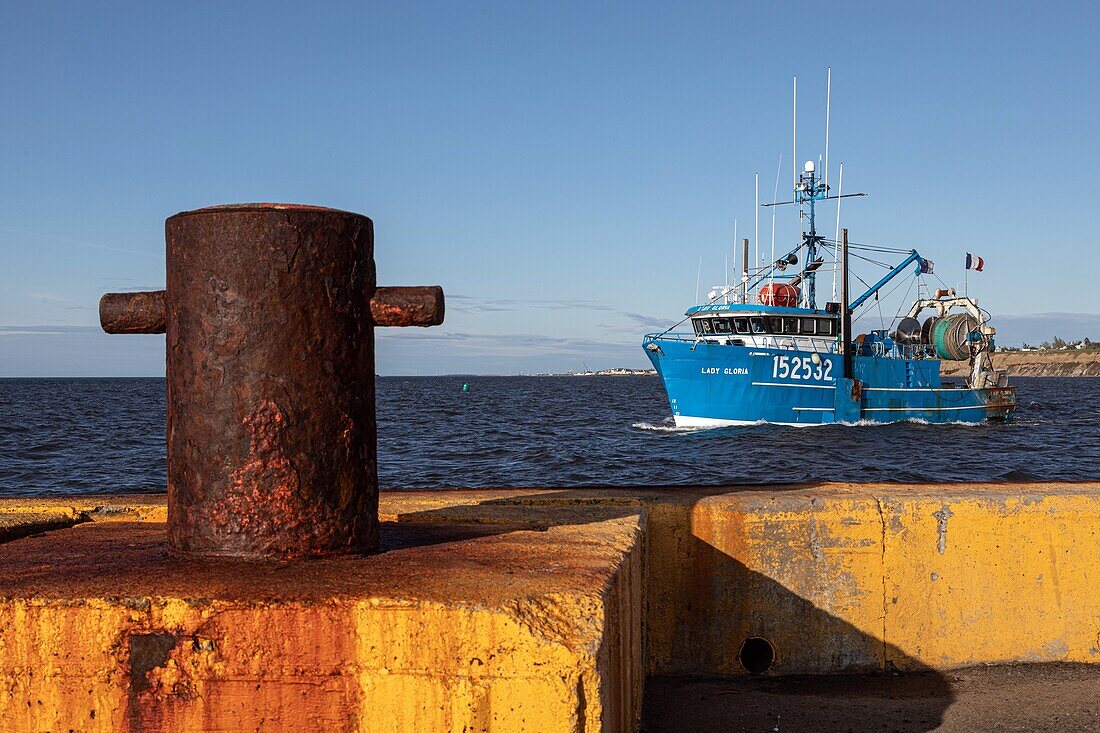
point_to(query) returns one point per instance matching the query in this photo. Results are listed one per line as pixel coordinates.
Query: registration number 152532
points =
(801, 367)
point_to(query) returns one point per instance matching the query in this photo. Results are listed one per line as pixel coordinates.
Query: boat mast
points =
(845, 309)
(810, 190)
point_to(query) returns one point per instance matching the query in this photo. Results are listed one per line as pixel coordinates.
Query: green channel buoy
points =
(465, 386)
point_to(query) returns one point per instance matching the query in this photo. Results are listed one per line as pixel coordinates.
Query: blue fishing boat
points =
(763, 351)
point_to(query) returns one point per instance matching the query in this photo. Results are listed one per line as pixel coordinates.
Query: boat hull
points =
(712, 384)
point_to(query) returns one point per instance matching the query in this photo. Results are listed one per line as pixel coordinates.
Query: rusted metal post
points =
(269, 312)
(145, 312)
(132, 312)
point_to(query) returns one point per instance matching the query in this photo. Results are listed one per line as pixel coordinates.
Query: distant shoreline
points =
(1015, 363)
(1035, 364)
(613, 372)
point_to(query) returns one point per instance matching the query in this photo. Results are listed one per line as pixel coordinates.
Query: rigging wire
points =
(894, 288)
(897, 316)
(881, 319)
(884, 265)
(868, 286)
(872, 247)
(760, 275)
(688, 316)
(878, 300)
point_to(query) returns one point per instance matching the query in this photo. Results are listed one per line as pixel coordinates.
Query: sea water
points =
(60, 436)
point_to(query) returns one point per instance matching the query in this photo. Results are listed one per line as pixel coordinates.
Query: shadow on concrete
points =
(909, 703)
(701, 605)
(405, 535)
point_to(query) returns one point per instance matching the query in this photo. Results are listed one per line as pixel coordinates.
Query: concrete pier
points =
(534, 609)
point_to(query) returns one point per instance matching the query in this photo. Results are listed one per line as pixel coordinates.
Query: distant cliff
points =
(1035, 364)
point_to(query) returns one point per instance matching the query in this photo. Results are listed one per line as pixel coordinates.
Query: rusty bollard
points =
(269, 311)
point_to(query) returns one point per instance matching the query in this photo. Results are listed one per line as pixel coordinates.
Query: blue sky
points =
(559, 168)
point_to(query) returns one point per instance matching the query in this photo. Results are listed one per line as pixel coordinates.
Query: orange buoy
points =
(780, 294)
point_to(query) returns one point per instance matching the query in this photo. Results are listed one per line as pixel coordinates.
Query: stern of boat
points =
(1000, 402)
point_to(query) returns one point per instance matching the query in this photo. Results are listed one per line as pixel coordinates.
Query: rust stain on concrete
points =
(455, 625)
(494, 608)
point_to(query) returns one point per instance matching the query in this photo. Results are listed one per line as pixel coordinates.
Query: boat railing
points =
(821, 346)
(689, 338)
(914, 351)
(763, 341)
(734, 297)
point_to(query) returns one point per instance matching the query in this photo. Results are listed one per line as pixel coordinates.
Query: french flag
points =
(974, 262)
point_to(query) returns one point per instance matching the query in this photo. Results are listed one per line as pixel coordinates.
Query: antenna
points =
(698, 276)
(794, 136)
(756, 234)
(733, 248)
(775, 193)
(828, 98)
(745, 270)
(836, 239)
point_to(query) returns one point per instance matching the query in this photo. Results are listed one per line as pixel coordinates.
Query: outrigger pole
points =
(914, 256)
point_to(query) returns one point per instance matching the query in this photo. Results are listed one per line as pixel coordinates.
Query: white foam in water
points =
(911, 421)
(670, 427)
(878, 424)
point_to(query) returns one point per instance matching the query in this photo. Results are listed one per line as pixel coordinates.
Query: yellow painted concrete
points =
(100, 508)
(490, 626)
(542, 609)
(996, 578)
(848, 578)
(803, 573)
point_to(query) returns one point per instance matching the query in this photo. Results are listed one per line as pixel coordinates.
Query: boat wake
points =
(907, 421)
(669, 426)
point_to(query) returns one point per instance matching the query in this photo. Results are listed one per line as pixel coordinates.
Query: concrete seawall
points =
(846, 578)
(525, 609)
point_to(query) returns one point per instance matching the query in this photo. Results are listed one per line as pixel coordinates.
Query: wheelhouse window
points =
(789, 325)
